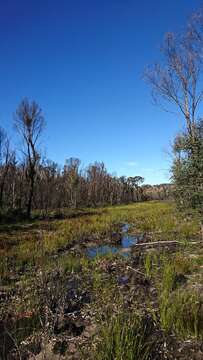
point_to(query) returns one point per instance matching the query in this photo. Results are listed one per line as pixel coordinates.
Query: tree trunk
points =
(29, 206)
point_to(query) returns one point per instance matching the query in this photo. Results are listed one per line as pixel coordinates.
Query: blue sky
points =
(83, 61)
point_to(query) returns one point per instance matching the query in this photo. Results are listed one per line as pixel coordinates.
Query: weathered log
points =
(158, 243)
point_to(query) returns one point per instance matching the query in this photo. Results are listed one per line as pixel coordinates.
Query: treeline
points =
(69, 186)
(158, 192)
(38, 183)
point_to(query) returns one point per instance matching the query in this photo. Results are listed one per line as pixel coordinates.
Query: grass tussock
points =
(181, 308)
(182, 313)
(126, 337)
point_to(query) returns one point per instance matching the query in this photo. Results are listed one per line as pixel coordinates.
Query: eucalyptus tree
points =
(29, 123)
(6, 157)
(187, 168)
(177, 79)
(71, 174)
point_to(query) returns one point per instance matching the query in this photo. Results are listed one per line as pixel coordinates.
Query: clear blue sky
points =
(82, 61)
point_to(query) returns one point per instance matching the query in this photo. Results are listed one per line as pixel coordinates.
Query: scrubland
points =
(56, 302)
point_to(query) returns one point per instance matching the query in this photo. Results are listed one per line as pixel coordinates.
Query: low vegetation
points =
(56, 301)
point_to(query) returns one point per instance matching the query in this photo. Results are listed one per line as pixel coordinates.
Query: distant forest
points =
(39, 183)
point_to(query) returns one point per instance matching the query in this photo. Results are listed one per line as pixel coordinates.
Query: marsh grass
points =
(37, 261)
(22, 244)
(69, 263)
(182, 313)
(125, 337)
(151, 264)
(181, 308)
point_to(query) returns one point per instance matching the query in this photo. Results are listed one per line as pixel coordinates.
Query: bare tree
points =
(177, 78)
(6, 156)
(29, 122)
(71, 172)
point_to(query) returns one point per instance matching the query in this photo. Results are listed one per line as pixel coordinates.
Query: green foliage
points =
(151, 264)
(180, 309)
(182, 264)
(168, 278)
(182, 313)
(70, 263)
(187, 168)
(148, 265)
(125, 337)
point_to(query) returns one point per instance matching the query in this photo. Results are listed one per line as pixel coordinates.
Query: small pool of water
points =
(123, 247)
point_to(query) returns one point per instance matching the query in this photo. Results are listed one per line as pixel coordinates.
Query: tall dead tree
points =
(177, 78)
(6, 156)
(29, 123)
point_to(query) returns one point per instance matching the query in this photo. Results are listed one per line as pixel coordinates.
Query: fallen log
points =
(158, 243)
